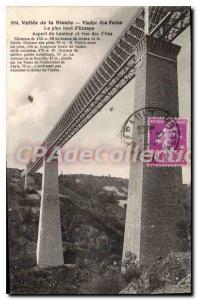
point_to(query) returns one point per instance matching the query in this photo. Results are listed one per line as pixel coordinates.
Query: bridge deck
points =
(115, 70)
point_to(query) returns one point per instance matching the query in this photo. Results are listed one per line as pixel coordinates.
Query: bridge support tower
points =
(49, 244)
(29, 181)
(151, 217)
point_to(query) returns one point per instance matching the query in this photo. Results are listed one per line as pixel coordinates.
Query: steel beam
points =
(114, 72)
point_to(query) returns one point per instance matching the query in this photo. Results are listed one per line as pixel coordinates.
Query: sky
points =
(29, 123)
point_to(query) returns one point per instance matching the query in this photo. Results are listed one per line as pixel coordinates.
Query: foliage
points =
(104, 278)
(131, 268)
(109, 283)
(92, 230)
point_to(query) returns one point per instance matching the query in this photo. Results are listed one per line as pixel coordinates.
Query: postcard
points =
(99, 150)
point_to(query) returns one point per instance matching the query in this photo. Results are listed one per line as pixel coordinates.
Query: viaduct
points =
(144, 51)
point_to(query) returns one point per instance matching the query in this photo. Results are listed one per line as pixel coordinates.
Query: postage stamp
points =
(167, 138)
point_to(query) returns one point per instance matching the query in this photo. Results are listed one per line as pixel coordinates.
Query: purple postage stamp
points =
(167, 141)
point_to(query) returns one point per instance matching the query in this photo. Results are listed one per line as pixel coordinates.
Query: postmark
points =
(135, 129)
(163, 138)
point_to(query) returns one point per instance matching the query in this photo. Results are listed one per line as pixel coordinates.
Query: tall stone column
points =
(49, 244)
(29, 181)
(151, 217)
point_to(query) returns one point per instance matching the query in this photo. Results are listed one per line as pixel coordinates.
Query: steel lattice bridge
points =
(114, 72)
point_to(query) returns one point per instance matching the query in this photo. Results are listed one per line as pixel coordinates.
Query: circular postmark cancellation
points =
(154, 129)
(136, 127)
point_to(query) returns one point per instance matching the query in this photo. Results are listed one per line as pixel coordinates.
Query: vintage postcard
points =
(99, 150)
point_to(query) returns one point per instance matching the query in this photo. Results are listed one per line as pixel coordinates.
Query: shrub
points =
(170, 270)
(154, 278)
(109, 283)
(130, 267)
(133, 272)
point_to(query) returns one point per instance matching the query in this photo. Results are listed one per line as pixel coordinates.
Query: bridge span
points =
(145, 50)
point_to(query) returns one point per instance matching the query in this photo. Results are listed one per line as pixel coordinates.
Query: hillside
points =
(92, 219)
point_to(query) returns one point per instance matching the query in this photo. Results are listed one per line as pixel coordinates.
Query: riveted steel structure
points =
(116, 69)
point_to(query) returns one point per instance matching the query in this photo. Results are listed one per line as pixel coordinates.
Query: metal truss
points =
(121, 79)
(172, 22)
(114, 72)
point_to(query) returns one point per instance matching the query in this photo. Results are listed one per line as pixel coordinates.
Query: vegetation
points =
(92, 231)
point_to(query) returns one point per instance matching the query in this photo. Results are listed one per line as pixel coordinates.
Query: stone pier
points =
(49, 244)
(29, 181)
(151, 217)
